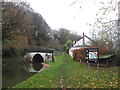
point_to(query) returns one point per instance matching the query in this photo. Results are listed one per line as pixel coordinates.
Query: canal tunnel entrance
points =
(36, 62)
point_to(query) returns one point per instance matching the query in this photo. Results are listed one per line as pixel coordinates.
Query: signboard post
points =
(93, 57)
(88, 70)
(98, 71)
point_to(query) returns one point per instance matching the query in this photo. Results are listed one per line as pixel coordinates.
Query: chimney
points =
(83, 38)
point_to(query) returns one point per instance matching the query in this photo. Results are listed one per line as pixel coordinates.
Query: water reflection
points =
(18, 69)
(13, 72)
(36, 66)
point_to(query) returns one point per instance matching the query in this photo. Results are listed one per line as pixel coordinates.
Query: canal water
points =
(13, 71)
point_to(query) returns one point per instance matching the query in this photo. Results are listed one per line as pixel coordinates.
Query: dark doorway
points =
(36, 62)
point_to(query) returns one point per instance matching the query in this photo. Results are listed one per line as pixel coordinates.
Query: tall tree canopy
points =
(23, 28)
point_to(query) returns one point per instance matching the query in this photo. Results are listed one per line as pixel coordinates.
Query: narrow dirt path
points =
(61, 83)
(62, 71)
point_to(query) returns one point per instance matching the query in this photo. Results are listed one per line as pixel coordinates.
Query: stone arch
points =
(36, 62)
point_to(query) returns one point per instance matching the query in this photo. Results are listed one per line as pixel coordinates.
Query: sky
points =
(67, 14)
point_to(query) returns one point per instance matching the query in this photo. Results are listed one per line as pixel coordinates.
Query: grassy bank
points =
(72, 75)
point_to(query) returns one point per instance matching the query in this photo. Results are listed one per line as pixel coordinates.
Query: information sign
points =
(93, 54)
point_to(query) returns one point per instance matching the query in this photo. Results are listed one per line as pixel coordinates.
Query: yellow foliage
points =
(18, 40)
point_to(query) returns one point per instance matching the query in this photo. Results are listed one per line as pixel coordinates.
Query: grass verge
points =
(72, 74)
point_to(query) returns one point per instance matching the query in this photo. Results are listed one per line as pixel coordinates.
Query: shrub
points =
(8, 52)
(81, 53)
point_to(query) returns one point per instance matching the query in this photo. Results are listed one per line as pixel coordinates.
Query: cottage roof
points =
(82, 42)
(82, 46)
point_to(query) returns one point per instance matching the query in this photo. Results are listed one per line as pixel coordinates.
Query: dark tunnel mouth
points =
(36, 62)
